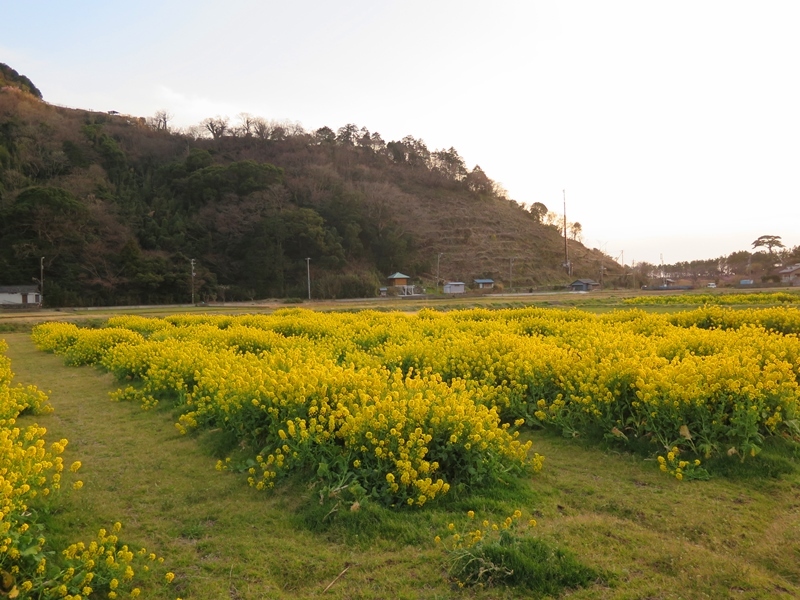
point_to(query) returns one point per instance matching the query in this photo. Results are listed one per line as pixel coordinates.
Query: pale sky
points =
(674, 127)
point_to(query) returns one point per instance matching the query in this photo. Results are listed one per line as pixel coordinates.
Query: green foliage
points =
(112, 157)
(349, 285)
(540, 567)
(5, 157)
(488, 553)
(75, 154)
(55, 199)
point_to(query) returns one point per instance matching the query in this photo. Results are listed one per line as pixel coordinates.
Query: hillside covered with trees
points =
(119, 205)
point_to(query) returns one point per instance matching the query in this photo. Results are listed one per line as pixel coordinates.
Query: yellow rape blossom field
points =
(657, 454)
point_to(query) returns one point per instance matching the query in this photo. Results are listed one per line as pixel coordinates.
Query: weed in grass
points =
(193, 531)
(218, 443)
(487, 553)
(779, 457)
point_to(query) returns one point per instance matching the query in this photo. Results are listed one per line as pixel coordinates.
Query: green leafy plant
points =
(485, 553)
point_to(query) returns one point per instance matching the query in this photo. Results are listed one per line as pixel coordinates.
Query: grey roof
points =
(484, 280)
(19, 289)
(790, 269)
(398, 275)
(454, 283)
(585, 282)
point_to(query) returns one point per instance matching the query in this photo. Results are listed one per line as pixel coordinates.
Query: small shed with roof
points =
(401, 283)
(583, 285)
(398, 279)
(20, 295)
(484, 284)
(454, 287)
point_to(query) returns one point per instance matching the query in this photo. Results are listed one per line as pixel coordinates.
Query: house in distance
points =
(790, 275)
(400, 283)
(583, 285)
(454, 287)
(484, 284)
(20, 296)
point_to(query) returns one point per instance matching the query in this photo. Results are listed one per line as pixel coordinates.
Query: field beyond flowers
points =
(726, 299)
(399, 409)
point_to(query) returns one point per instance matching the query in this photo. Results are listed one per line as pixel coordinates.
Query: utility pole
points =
(41, 281)
(566, 252)
(192, 263)
(438, 257)
(511, 274)
(308, 276)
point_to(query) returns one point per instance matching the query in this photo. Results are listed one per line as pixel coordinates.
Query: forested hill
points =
(118, 206)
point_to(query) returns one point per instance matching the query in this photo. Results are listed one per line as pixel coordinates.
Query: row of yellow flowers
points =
(407, 405)
(31, 474)
(766, 298)
(299, 397)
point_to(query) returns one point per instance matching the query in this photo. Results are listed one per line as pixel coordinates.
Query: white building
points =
(790, 275)
(454, 287)
(20, 295)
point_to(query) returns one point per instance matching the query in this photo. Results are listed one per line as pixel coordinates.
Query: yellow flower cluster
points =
(466, 545)
(30, 470)
(409, 405)
(680, 469)
(300, 390)
(779, 319)
(485, 531)
(105, 566)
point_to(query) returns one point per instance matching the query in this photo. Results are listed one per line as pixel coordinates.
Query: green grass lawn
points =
(649, 535)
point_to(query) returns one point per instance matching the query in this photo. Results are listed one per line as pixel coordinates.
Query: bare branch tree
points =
(261, 128)
(246, 125)
(160, 120)
(217, 126)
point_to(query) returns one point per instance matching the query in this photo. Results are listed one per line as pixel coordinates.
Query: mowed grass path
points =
(734, 537)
